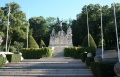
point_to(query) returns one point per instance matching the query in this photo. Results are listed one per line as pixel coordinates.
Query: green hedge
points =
(72, 52)
(103, 69)
(34, 53)
(2, 61)
(13, 57)
(89, 60)
(75, 52)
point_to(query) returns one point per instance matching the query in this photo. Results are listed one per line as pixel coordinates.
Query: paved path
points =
(109, 55)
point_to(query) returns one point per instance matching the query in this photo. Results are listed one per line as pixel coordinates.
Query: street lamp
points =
(1, 40)
(7, 28)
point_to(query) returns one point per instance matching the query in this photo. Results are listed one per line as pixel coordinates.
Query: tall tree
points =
(39, 27)
(80, 24)
(17, 22)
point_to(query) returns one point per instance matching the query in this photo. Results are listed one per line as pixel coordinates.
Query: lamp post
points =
(28, 29)
(117, 65)
(7, 29)
(1, 40)
(116, 32)
(88, 27)
(102, 34)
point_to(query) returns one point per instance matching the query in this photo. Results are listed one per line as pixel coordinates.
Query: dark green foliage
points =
(90, 50)
(75, 52)
(92, 42)
(103, 69)
(83, 56)
(12, 49)
(42, 44)
(18, 45)
(2, 61)
(2, 34)
(32, 43)
(32, 53)
(72, 52)
(13, 57)
(39, 28)
(89, 60)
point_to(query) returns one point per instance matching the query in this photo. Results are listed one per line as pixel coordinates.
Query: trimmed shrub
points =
(75, 52)
(90, 50)
(33, 53)
(13, 57)
(72, 52)
(83, 56)
(42, 44)
(89, 60)
(103, 69)
(92, 42)
(32, 43)
(2, 61)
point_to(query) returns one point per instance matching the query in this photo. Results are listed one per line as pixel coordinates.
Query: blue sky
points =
(55, 8)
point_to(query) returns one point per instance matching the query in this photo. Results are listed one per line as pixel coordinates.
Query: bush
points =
(92, 42)
(90, 50)
(103, 69)
(12, 49)
(33, 53)
(83, 56)
(75, 52)
(2, 61)
(13, 57)
(42, 44)
(89, 60)
(32, 43)
(72, 52)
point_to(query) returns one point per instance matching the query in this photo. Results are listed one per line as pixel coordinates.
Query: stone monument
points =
(58, 41)
(61, 38)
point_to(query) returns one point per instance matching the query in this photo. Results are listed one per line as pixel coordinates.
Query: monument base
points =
(58, 51)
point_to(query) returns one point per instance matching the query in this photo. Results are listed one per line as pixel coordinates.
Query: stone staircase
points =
(58, 51)
(47, 67)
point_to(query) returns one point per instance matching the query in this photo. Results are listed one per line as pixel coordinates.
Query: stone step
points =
(47, 75)
(37, 61)
(44, 71)
(63, 59)
(48, 65)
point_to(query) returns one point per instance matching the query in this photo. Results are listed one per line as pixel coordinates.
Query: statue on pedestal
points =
(61, 38)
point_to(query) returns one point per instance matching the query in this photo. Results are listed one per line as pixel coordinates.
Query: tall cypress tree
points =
(32, 43)
(92, 42)
(42, 44)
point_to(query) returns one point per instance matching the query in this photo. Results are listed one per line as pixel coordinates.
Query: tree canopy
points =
(40, 27)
